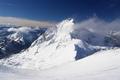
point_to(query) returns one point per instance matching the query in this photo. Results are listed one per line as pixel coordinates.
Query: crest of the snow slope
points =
(53, 48)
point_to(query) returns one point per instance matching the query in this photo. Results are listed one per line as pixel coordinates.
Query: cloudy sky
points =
(57, 10)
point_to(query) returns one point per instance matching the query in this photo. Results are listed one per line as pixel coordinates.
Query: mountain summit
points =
(55, 47)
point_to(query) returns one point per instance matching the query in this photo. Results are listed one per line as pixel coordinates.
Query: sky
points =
(56, 10)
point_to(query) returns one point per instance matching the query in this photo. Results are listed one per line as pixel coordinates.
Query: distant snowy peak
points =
(60, 33)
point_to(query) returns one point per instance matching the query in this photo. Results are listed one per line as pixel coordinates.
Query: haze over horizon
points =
(25, 22)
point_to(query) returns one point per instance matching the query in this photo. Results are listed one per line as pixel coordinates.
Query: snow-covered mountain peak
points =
(66, 43)
(52, 48)
(60, 33)
(58, 45)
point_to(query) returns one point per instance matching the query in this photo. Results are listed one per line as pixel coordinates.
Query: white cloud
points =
(98, 25)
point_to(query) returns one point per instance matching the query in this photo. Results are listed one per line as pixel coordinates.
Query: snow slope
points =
(103, 65)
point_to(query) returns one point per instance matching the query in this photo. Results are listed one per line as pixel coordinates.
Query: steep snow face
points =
(53, 48)
(64, 30)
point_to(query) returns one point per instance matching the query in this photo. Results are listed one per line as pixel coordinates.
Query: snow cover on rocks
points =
(65, 44)
(51, 49)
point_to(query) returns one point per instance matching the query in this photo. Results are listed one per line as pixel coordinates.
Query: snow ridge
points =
(62, 44)
(52, 49)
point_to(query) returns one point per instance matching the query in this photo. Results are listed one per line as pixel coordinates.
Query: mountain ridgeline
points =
(42, 48)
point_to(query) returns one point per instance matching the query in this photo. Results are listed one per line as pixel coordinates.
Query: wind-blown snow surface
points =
(103, 65)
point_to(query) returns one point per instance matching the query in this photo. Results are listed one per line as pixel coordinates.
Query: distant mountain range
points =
(14, 39)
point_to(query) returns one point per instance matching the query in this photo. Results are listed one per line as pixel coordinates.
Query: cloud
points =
(25, 22)
(98, 25)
